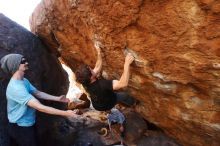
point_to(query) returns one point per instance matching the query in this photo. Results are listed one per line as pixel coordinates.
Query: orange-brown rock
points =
(176, 74)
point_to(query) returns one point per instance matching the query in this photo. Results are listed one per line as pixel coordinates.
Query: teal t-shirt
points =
(18, 93)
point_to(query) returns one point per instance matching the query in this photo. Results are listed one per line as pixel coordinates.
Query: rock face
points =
(176, 74)
(44, 70)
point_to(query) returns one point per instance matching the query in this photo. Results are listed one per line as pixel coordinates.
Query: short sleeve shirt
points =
(102, 94)
(18, 93)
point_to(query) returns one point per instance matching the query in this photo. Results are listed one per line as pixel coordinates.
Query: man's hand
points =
(97, 47)
(72, 113)
(63, 98)
(129, 58)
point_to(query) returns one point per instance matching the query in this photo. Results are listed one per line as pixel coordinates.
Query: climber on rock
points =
(103, 92)
(22, 104)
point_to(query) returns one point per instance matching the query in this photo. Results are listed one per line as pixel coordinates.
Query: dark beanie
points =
(11, 62)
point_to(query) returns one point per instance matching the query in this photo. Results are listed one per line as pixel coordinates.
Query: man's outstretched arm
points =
(45, 96)
(34, 103)
(98, 65)
(123, 81)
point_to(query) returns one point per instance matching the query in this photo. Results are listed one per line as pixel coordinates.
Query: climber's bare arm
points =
(123, 81)
(98, 65)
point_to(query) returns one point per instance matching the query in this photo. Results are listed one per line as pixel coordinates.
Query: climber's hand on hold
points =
(129, 59)
(97, 47)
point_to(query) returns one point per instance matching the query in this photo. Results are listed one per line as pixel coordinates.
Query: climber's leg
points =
(125, 98)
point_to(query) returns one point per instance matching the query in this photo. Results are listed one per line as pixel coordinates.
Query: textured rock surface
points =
(176, 75)
(44, 71)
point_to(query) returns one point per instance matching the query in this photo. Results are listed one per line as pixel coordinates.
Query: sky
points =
(18, 10)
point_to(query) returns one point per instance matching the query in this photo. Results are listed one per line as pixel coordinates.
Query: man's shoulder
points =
(98, 81)
(26, 80)
(17, 84)
(104, 81)
(106, 84)
(14, 86)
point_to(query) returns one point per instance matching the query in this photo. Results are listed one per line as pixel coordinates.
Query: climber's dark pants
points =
(22, 136)
(125, 98)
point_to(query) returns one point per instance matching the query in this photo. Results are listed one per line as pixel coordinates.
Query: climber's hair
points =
(83, 75)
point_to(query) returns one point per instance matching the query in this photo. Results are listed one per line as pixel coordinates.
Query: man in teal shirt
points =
(21, 101)
(18, 93)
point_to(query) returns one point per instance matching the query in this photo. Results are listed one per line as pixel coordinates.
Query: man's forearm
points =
(52, 111)
(34, 103)
(98, 65)
(123, 81)
(125, 75)
(45, 96)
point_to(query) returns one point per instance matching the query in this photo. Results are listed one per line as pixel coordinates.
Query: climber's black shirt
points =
(102, 94)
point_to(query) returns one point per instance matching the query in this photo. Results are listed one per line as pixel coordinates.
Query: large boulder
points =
(176, 74)
(45, 71)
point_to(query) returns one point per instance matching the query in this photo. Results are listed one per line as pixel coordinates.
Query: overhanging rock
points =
(177, 43)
